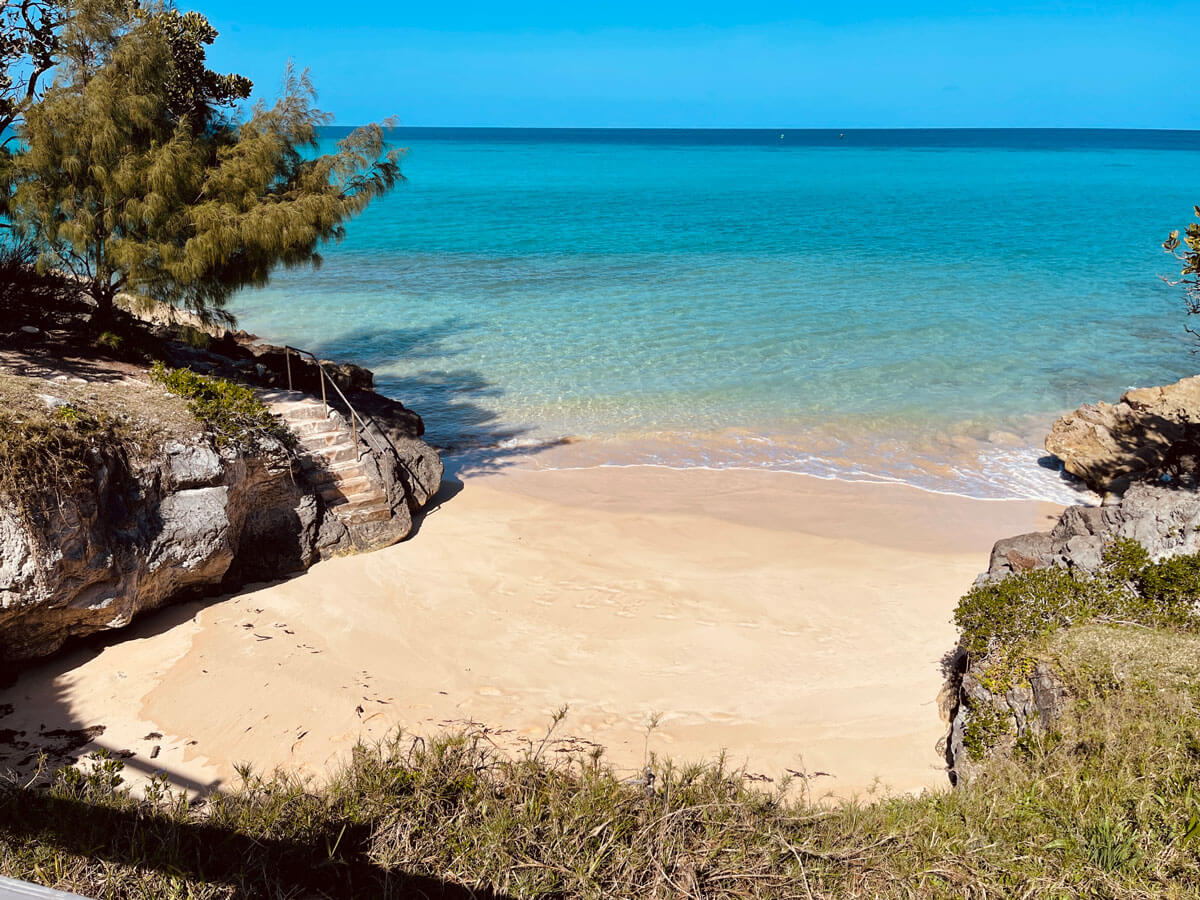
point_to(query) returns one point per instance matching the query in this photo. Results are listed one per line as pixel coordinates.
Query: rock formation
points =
(1163, 518)
(1033, 706)
(187, 518)
(1146, 448)
(1111, 445)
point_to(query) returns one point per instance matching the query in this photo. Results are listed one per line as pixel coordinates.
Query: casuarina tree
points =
(135, 174)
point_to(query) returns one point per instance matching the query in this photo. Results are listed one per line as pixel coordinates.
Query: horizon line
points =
(784, 128)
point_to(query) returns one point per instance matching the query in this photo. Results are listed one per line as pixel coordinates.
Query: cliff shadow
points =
(41, 731)
(459, 405)
(331, 860)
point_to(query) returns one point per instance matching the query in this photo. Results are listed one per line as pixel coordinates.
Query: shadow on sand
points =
(39, 734)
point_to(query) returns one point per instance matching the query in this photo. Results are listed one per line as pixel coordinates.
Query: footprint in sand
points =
(721, 718)
(489, 691)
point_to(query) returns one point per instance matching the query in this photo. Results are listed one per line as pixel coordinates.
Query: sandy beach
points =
(795, 623)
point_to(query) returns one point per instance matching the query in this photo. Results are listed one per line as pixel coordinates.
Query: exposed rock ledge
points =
(188, 519)
(1111, 445)
(1164, 519)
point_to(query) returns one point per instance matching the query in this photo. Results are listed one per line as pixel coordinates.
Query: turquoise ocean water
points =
(912, 305)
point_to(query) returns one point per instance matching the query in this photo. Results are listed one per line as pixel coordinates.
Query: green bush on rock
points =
(999, 621)
(236, 417)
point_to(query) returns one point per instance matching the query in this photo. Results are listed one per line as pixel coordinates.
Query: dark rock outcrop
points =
(1144, 452)
(1165, 520)
(1032, 707)
(192, 520)
(188, 519)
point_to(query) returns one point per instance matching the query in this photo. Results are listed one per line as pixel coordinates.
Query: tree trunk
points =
(103, 316)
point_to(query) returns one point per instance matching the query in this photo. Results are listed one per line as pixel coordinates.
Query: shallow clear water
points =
(915, 305)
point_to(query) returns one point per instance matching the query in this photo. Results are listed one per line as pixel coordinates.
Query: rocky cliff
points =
(1142, 452)
(177, 515)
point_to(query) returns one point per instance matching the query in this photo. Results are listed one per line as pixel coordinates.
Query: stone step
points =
(343, 486)
(314, 427)
(357, 501)
(354, 475)
(299, 412)
(317, 442)
(346, 468)
(330, 458)
(379, 513)
(328, 455)
(292, 403)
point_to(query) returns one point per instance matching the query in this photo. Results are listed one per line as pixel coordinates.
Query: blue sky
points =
(725, 65)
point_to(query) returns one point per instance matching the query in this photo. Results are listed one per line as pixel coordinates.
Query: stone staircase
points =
(329, 457)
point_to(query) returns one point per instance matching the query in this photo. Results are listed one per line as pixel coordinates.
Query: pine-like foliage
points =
(133, 177)
(29, 32)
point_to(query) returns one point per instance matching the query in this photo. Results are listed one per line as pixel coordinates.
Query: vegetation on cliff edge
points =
(1001, 622)
(231, 411)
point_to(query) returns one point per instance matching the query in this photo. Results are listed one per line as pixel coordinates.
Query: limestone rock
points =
(1033, 708)
(192, 520)
(1110, 445)
(1163, 519)
(1144, 453)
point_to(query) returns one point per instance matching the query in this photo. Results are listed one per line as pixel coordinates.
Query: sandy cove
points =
(793, 622)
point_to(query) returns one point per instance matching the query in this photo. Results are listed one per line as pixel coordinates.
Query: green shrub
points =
(236, 417)
(1000, 620)
(110, 340)
(1171, 589)
(1124, 559)
(985, 726)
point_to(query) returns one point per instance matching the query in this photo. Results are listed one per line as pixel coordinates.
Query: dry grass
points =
(149, 411)
(57, 433)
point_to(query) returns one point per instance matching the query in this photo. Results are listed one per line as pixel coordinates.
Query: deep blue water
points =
(906, 304)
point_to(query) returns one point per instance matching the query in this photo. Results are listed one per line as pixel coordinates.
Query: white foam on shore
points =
(976, 469)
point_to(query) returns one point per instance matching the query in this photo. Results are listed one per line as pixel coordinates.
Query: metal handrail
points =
(356, 418)
(322, 378)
